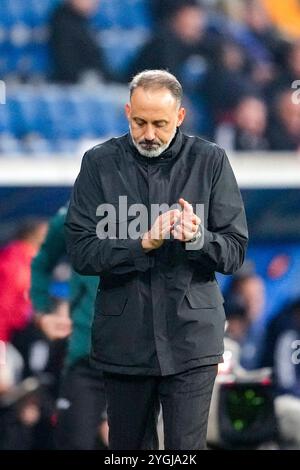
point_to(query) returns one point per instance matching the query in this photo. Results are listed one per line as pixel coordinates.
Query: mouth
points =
(149, 146)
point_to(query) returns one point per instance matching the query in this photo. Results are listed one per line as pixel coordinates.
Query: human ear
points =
(181, 116)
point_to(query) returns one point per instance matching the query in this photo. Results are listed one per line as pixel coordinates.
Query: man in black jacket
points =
(159, 318)
(75, 51)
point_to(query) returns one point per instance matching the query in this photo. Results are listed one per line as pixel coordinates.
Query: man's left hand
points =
(188, 223)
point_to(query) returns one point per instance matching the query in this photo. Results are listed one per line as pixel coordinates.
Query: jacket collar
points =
(170, 153)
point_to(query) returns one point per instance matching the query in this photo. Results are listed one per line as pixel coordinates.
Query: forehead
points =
(152, 100)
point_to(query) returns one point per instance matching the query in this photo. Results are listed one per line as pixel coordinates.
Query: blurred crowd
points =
(238, 60)
(45, 326)
(238, 64)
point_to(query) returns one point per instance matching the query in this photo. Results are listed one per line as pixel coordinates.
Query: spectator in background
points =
(290, 69)
(233, 9)
(16, 312)
(81, 405)
(279, 349)
(247, 132)
(282, 352)
(182, 45)
(15, 261)
(263, 43)
(262, 39)
(161, 11)
(244, 308)
(227, 81)
(284, 129)
(236, 316)
(263, 47)
(74, 49)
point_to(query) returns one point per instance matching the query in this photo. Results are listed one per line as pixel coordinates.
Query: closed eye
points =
(160, 123)
(139, 122)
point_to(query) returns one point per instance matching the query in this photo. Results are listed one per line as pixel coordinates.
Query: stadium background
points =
(45, 127)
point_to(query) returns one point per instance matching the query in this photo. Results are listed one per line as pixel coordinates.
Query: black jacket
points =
(159, 312)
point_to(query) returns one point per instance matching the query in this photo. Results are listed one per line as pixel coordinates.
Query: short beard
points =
(155, 152)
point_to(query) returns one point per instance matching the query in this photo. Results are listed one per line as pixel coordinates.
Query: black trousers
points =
(81, 407)
(134, 402)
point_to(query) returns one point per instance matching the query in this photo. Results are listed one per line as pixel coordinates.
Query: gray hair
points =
(156, 79)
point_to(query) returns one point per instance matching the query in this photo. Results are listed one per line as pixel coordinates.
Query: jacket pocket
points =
(111, 302)
(204, 296)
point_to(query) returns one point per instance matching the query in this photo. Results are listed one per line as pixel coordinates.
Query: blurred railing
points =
(252, 170)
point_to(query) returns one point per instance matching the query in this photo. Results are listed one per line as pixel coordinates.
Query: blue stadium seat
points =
(66, 146)
(20, 35)
(5, 121)
(10, 145)
(122, 14)
(39, 59)
(101, 117)
(23, 23)
(137, 15)
(30, 12)
(13, 109)
(29, 117)
(37, 145)
(40, 11)
(56, 118)
(121, 47)
(15, 9)
(70, 123)
(6, 19)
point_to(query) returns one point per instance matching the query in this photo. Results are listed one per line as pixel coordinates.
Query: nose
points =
(149, 133)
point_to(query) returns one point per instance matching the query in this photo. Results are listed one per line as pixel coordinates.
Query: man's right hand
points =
(162, 227)
(55, 325)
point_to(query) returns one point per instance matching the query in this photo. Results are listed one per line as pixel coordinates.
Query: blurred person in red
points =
(15, 263)
(25, 424)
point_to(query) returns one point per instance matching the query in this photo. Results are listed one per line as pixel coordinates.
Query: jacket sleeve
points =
(43, 264)
(224, 241)
(89, 254)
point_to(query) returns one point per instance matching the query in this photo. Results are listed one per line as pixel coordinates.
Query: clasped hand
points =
(182, 225)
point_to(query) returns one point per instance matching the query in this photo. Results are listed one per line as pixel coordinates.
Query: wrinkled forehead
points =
(153, 97)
